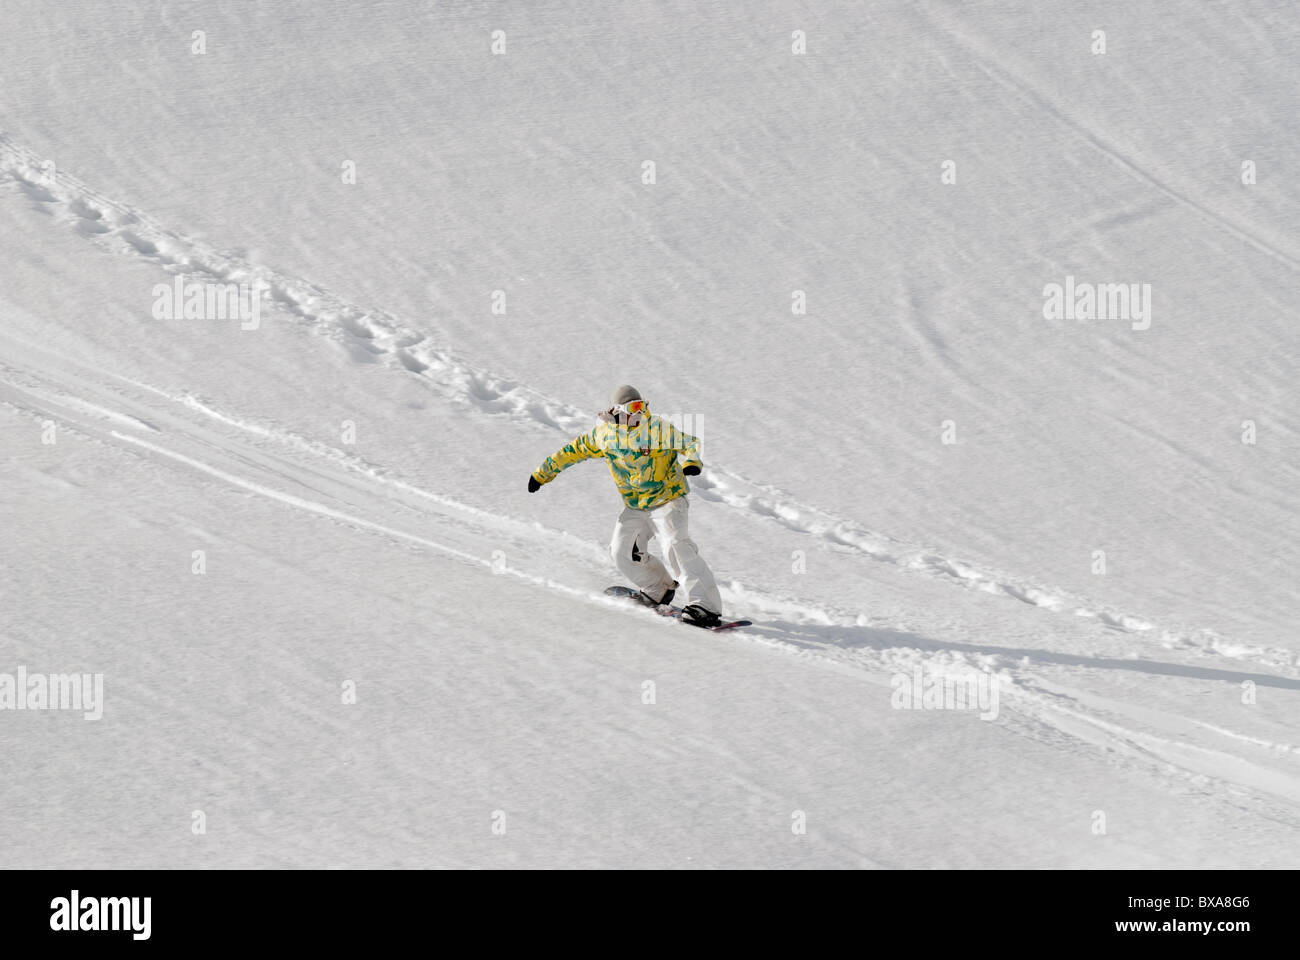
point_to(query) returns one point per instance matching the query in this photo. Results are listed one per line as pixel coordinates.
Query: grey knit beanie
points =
(624, 394)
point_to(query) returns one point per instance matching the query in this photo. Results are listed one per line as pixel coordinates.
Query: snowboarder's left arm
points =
(688, 453)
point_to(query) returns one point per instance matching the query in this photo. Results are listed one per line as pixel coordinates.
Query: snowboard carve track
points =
(345, 492)
(384, 338)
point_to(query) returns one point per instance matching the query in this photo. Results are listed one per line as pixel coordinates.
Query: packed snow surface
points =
(333, 628)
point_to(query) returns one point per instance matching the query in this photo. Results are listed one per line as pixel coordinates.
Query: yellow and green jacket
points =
(645, 458)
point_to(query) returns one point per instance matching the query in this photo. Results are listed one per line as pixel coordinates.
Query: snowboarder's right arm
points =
(584, 447)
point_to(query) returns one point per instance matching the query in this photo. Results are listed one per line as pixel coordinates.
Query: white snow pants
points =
(633, 532)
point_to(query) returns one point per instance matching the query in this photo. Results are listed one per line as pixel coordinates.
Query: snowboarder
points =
(643, 453)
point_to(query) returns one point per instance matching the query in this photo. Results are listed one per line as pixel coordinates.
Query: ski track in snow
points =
(344, 488)
(383, 337)
(1017, 82)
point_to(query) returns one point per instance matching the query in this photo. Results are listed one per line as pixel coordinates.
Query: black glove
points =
(533, 485)
(692, 471)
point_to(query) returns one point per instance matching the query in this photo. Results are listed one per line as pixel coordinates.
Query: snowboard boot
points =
(700, 617)
(650, 601)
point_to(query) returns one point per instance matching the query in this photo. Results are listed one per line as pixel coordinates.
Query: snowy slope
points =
(491, 674)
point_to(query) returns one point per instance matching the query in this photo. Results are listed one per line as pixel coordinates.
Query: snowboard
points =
(666, 610)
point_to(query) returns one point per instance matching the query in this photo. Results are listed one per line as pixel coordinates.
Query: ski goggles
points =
(631, 407)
